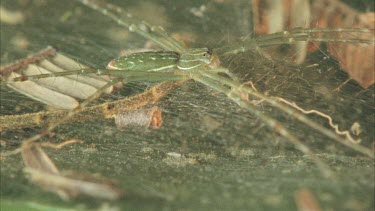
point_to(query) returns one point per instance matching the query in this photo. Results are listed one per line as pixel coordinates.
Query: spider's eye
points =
(207, 53)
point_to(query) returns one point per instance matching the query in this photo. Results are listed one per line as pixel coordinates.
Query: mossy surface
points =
(229, 160)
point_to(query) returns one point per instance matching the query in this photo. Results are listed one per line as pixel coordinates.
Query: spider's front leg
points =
(155, 33)
(299, 35)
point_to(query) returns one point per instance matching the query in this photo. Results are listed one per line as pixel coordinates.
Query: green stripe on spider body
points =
(162, 61)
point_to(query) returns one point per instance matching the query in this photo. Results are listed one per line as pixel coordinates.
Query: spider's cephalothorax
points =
(195, 57)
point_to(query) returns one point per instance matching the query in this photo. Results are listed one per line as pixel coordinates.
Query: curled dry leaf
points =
(44, 173)
(35, 158)
(143, 118)
(68, 188)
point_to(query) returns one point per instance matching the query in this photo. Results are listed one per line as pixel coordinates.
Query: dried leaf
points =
(356, 59)
(44, 173)
(35, 158)
(67, 187)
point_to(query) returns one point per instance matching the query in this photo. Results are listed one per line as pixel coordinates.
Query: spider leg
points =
(317, 34)
(238, 88)
(156, 34)
(82, 71)
(87, 71)
(296, 35)
(270, 122)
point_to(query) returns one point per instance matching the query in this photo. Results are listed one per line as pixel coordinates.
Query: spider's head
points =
(195, 57)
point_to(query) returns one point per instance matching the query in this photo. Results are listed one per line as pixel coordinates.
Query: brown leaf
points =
(44, 173)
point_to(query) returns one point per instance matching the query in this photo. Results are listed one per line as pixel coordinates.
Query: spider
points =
(202, 65)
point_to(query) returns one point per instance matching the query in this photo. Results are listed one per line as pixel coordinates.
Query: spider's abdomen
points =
(153, 61)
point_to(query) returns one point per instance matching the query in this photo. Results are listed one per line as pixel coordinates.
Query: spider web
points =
(239, 161)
